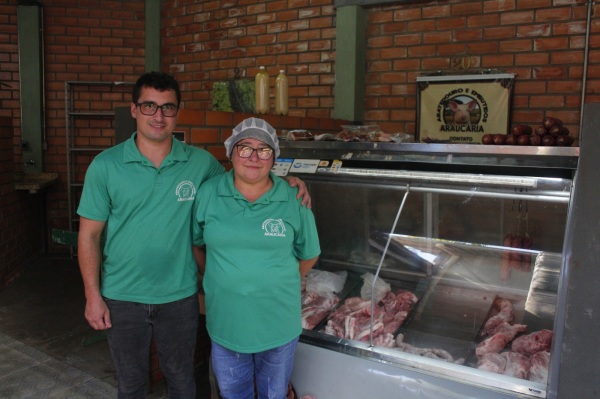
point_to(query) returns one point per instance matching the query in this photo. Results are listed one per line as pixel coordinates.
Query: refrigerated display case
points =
(474, 236)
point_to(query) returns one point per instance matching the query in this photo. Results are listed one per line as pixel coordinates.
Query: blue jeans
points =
(237, 373)
(175, 328)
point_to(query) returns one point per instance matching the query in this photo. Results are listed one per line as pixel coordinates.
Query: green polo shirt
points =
(147, 254)
(252, 278)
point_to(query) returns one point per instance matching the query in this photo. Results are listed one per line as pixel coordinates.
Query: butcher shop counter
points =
(440, 271)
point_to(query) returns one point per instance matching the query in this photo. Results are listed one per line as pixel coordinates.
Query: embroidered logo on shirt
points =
(185, 191)
(274, 228)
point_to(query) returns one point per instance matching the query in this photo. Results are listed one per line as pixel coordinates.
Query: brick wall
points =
(20, 216)
(86, 42)
(20, 232)
(9, 63)
(542, 41)
(209, 129)
(211, 41)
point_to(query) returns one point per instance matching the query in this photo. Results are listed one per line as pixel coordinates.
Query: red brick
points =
(547, 101)
(517, 17)
(550, 72)
(507, 32)
(205, 135)
(558, 43)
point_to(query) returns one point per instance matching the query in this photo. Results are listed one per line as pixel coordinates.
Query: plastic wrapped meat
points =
(318, 295)
(299, 134)
(315, 308)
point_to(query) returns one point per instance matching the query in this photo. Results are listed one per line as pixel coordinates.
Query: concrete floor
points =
(42, 336)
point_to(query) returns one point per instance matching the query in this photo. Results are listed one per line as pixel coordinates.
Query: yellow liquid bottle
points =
(261, 91)
(281, 94)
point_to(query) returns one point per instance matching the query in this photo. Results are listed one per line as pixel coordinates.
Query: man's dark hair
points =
(156, 80)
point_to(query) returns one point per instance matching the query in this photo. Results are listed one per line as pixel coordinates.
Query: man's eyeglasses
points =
(263, 153)
(149, 109)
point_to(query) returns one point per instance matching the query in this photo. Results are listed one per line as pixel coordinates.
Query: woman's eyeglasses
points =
(245, 151)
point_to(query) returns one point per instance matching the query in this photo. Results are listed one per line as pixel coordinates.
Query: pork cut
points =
(517, 365)
(352, 319)
(540, 363)
(315, 308)
(433, 353)
(503, 335)
(493, 362)
(505, 313)
(532, 343)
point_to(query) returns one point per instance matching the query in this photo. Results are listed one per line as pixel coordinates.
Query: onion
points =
(499, 139)
(487, 139)
(535, 140)
(523, 140)
(548, 140)
(511, 139)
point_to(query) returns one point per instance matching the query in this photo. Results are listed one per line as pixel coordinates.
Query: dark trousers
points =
(174, 326)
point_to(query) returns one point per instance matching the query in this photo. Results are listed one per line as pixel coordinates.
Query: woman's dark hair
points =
(156, 80)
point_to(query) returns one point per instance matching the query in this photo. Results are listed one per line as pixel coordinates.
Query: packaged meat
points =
(359, 133)
(321, 281)
(299, 134)
(326, 137)
(374, 286)
(315, 308)
(319, 295)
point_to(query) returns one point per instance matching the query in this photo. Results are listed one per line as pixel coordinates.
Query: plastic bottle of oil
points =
(261, 91)
(281, 94)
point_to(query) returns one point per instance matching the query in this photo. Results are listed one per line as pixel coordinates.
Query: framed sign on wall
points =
(462, 108)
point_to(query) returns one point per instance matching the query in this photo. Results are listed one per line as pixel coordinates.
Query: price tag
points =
(336, 165)
(304, 166)
(282, 166)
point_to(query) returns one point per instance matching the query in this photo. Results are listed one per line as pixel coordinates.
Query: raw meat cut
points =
(517, 365)
(498, 341)
(540, 362)
(386, 340)
(494, 362)
(352, 320)
(434, 353)
(532, 343)
(505, 313)
(315, 308)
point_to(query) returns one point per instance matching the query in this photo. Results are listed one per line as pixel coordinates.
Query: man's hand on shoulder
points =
(302, 190)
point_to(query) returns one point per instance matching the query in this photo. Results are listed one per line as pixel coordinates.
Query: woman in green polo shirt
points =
(259, 241)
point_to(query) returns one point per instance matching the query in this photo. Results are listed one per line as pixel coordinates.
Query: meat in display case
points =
(439, 270)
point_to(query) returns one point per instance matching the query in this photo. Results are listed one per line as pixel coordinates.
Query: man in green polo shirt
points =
(143, 283)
